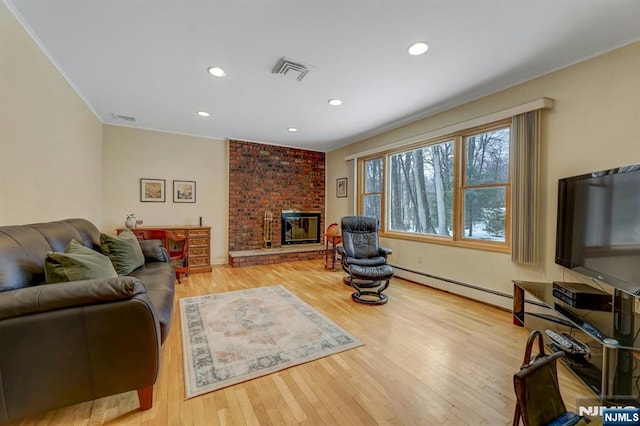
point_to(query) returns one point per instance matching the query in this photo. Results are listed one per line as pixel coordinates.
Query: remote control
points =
(555, 348)
(561, 341)
(567, 343)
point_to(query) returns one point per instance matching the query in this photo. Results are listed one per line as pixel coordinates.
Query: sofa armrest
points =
(104, 340)
(51, 297)
(153, 251)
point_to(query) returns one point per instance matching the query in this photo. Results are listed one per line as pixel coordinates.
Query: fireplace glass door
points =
(300, 228)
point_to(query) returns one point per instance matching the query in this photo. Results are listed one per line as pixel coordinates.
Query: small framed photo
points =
(152, 190)
(341, 187)
(184, 191)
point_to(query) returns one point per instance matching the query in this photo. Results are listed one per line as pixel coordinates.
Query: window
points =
(372, 191)
(486, 184)
(421, 190)
(454, 190)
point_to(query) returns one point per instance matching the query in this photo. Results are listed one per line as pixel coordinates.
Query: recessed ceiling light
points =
(418, 48)
(203, 114)
(217, 72)
(335, 102)
(292, 129)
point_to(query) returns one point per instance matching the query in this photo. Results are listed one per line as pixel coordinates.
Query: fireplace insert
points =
(300, 227)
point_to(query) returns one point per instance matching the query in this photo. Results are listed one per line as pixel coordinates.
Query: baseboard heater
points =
(467, 285)
(460, 283)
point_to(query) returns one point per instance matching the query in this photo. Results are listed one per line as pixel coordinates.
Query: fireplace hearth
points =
(300, 227)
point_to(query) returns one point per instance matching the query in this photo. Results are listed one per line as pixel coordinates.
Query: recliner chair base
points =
(362, 283)
(369, 291)
(369, 297)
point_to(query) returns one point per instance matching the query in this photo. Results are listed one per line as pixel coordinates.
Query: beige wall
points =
(50, 141)
(130, 154)
(53, 164)
(594, 125)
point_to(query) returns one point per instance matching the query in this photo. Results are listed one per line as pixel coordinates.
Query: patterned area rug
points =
(232, 337)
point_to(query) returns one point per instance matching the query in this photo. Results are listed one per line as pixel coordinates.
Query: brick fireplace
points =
(268, 178)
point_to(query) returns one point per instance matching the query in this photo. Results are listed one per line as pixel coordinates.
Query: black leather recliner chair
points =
(364, 260)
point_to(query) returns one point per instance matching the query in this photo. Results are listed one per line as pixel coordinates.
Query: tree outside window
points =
(421, 190)
(486, 176)
(373, 184)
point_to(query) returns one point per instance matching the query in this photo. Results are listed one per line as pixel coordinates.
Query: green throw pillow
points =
(77, 263)
(123, 250)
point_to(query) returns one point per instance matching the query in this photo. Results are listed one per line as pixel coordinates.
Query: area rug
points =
(232, 337)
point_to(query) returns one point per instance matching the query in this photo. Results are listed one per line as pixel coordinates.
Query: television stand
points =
(612, 337)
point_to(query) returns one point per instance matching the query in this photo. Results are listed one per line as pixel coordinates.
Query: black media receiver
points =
(582, 296)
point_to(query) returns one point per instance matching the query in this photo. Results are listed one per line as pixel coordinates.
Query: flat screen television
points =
(598, 229)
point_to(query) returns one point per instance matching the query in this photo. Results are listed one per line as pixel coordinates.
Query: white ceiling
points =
(149, 58)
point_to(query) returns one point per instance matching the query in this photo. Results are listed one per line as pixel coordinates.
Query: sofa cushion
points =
(58, 234)
(123, 250)
(88, 232)
(77, 263)
(22, 253)
(153, 251)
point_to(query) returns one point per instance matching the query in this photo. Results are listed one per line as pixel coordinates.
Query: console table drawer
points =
(198, 233)
(198, 251)
(198, 261)
(198, 242)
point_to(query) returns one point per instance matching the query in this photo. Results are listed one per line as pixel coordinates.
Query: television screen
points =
(598, 232)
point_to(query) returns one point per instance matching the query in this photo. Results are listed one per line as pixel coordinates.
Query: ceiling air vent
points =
(291, 68)
(128, 118)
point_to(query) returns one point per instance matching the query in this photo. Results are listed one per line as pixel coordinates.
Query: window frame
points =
(362, 183)
(387, 154)
(464, 186)
(459, 166)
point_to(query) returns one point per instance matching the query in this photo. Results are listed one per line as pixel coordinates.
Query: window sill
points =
(470, 244)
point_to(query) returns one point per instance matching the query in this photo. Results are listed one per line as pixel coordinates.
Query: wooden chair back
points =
(177, 252)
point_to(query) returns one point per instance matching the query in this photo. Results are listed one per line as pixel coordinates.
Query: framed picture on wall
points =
(152, 190)
(184, 191)
(341, 187)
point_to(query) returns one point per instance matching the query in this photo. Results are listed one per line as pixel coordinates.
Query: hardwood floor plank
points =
(428, 358)
(246, 407)
(291, 401)
(324, 416)
(210, 409)
(323, 392)
(235, 410)
(222, 411)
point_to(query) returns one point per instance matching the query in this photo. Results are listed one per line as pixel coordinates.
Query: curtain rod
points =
(542, 103)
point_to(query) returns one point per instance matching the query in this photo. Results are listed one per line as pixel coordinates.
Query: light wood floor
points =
(430, 358)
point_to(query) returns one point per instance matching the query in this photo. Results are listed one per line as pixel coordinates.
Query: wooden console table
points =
(198, 243)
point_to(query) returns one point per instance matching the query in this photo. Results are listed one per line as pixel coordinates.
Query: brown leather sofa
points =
(65, 343)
